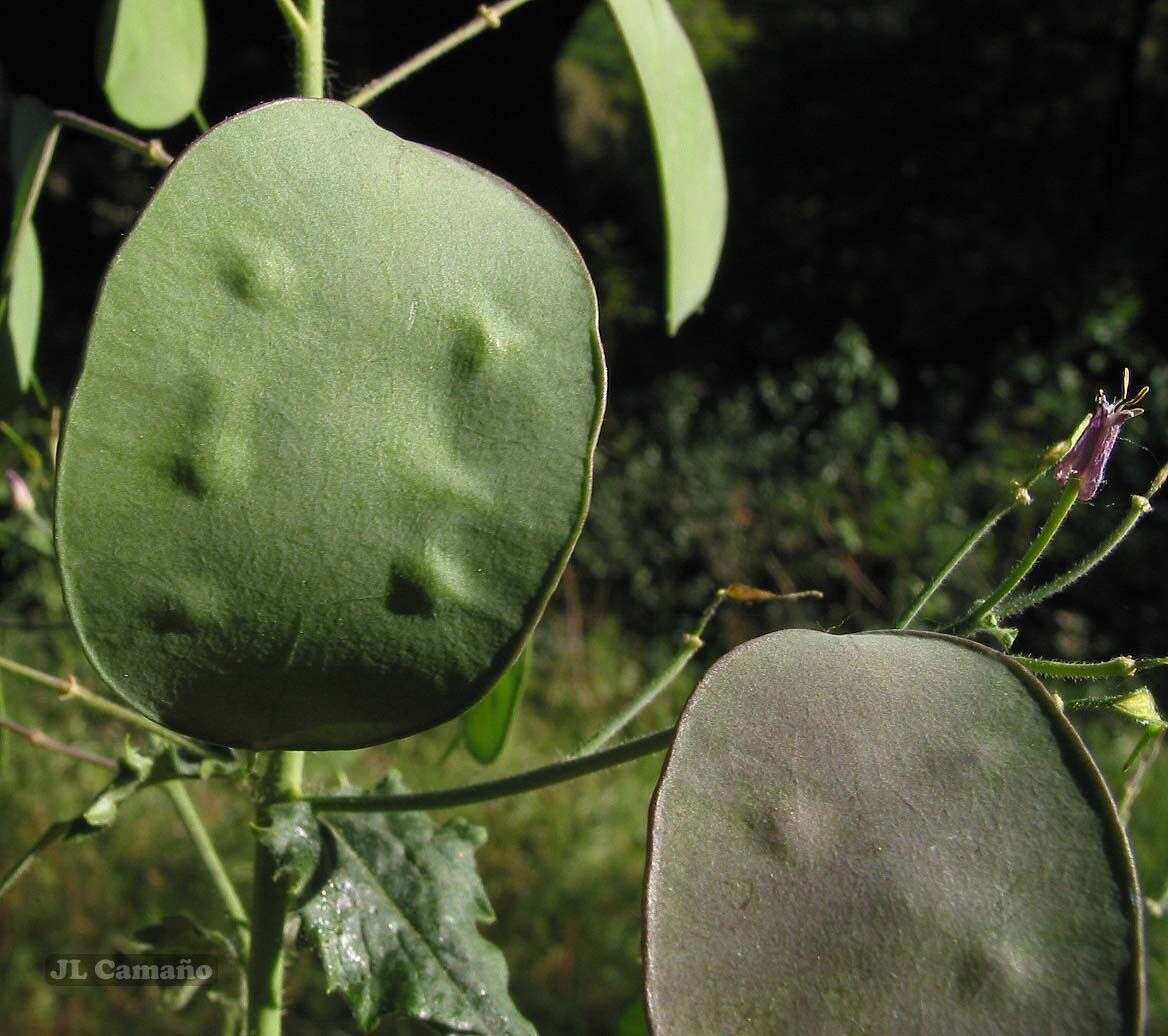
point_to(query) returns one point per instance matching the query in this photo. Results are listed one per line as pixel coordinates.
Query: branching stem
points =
(1019, 496)
(1062, 507)
(70, 689)
(1020, 602)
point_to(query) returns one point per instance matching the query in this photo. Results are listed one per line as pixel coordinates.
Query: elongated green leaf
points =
(20, 296)
(486, 726)
(393, 907)
(151, 59)
(689, 150)
(348, 425)
(886, 833)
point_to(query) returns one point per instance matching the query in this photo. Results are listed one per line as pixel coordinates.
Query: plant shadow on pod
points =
(891, 832)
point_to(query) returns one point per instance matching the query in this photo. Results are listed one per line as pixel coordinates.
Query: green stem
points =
(22, 220)
(1121, 667)
(210, 857)
(72, 690)
(1066, 500)
(490, 16)
(151, 150)
(1020, 602)
(529, 780)
(200, 119)
(311, 50)
(292, 16)
(955, 559)
(692, 643)
(270, 901)
(1019, 497)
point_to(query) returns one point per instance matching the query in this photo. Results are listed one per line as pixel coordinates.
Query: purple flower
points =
(1088, 458)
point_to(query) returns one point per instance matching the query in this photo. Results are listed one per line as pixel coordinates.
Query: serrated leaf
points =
(151, 59)
(886, 832)
(688, 146)
(393, 908)
(486, 726)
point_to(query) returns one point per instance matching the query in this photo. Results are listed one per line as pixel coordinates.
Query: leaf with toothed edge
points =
(392, 904)
(885, 832)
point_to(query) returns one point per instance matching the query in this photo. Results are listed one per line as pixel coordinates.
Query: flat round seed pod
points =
(885, 833)
(332, 442)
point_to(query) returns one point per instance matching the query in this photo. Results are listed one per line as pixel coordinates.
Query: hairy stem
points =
(1120, 667)
(486, 791)
(1062, 507)
(490, 16)
(270, 901)
(1020, 602)
(71, 690)
(311, 50)
(211, 859)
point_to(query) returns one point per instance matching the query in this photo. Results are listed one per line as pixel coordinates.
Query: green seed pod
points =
(885, 833)
(332, 443)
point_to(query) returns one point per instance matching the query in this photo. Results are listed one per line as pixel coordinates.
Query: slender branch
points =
(486, 791)
(292, 16)
(22, 220)
(200, 119)
(1020, 602)
(692, 643)
(974, 618)
(151, 150)
(1019, 496)
(270, 901)
(39, 739)
(211, 859)
(490, 16)
(1135, 782)
(71, 689)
